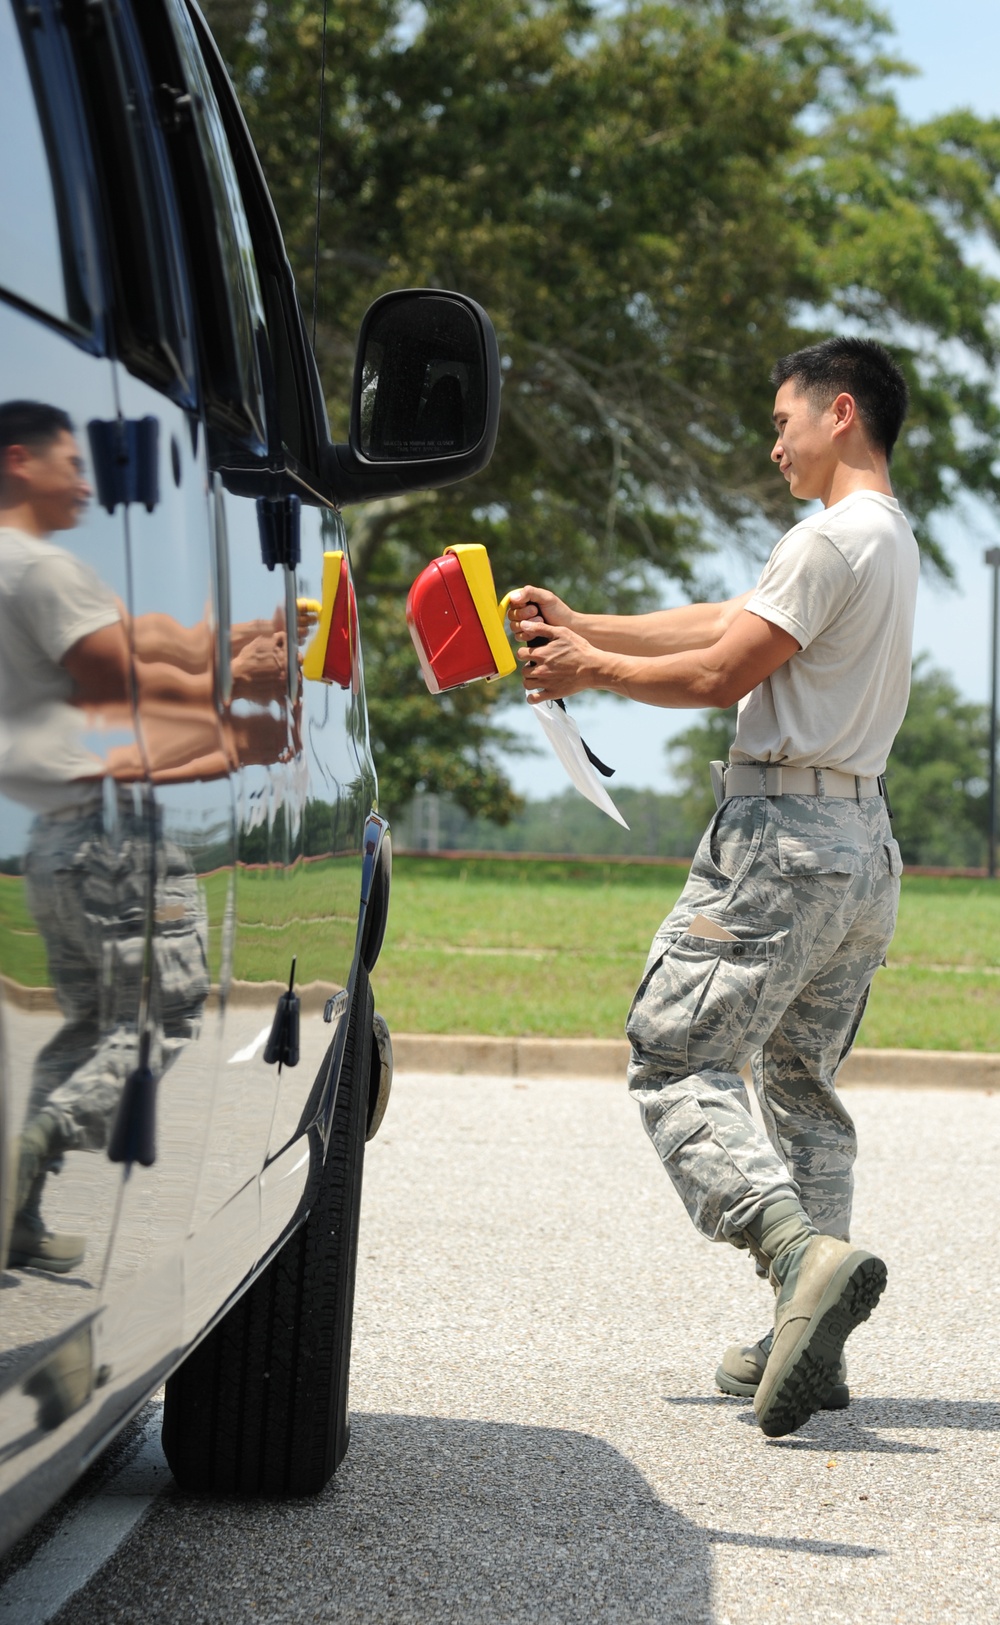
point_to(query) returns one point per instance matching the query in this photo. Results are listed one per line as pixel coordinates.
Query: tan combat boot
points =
(825, 1289)
(32, 1244)
(743, 1366)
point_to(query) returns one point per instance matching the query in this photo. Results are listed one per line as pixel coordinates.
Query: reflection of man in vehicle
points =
(64, 663)
(97, 857)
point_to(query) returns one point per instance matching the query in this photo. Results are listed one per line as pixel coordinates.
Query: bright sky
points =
(957, 48)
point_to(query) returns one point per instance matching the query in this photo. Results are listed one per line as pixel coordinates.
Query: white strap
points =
(762, 780)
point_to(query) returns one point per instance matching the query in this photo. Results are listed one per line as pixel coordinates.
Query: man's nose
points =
(776, 452)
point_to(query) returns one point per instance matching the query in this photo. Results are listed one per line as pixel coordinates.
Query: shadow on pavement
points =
(432, 1520)
(854, 1429)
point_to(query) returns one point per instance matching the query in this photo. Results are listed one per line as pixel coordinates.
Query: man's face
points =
(804, 449)
(50, 481)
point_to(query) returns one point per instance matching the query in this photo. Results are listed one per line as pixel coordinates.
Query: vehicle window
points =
(151, 316)
(246, 309)
(301, 411)
(36, 248)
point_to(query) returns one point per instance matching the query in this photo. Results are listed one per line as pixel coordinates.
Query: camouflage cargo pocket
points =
(696, 1005)
(802, 857)
(181, 982)
(894, 858)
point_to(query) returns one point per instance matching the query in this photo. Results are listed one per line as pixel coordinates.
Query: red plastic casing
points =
(338, 660)
(445, 627)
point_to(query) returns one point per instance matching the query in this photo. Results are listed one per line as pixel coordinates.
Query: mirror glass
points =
(423, 381)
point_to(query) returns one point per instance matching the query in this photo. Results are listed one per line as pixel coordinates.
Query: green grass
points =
(920, 1009)
(555, 948)
(526, 947)
(519, 947)
(22, 953)
(945, 921)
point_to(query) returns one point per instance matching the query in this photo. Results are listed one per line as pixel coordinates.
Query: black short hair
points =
(859, 367)
(32, 423)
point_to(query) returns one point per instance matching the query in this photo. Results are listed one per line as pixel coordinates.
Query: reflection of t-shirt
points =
(843, 583)
(49, 600)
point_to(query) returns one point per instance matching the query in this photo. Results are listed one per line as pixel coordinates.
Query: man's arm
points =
(747, 652)
(661, 632)
(99, 666)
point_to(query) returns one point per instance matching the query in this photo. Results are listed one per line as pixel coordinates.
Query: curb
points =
(607, 1058)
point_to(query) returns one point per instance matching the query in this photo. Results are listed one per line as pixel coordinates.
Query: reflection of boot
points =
(65, 1382)
(32, 1246)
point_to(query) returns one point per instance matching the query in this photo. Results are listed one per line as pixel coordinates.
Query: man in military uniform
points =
(95, 847)
(791, 901)
(116, 901)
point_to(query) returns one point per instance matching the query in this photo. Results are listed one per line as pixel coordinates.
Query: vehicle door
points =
(300, 794)
(75, 894)
(313, 878)
(178, 629)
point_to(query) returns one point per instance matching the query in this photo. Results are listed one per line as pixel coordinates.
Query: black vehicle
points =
(194, 875)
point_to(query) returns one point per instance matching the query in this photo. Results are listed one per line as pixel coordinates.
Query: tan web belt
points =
(746, 779)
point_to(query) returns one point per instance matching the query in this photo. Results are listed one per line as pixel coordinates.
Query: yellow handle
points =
(315, 656)
(475, 566)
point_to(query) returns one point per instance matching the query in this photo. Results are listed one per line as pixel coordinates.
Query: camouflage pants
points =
(88, 889)
(807, 887)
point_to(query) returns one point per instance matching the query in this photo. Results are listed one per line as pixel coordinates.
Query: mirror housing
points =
(425, 406)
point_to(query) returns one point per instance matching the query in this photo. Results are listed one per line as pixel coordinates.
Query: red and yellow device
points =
(455, 622)
(330, 656)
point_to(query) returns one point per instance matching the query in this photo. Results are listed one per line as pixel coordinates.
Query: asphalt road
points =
(536, 1433)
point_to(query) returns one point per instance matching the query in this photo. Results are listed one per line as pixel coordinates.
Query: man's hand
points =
(659, 632)
(537, 604)
(260, 670)
(307, 618)
(563, 664)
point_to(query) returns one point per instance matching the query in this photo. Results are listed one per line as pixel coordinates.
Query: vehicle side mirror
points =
(426, 399)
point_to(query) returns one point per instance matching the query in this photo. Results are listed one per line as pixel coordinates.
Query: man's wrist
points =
(613, 671)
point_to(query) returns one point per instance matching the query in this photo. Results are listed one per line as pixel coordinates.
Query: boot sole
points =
(808, 1377)
(32, 1261)
(837, 1399)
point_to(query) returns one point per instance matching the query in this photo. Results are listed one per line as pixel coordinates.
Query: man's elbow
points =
(717, 689)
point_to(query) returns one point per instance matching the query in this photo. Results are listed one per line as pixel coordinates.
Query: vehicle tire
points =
(260, 1406)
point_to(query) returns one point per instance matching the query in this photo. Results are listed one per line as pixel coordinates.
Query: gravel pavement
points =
(536, 1433)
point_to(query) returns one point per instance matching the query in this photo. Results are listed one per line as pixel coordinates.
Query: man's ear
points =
(845, 413)
(13, 462)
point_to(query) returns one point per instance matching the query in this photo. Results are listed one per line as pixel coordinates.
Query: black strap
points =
(885, 794)
(595, 761)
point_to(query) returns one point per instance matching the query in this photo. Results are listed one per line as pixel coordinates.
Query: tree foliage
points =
(653, 203)
(689, 753)
(564, 824)
(938, 774)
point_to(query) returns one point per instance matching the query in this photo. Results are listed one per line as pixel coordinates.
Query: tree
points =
(936, 774)
(652, 205)
(563, 824)
(707, 740)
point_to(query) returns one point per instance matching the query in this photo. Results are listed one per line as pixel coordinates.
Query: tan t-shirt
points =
(49, 600)
(843, 583)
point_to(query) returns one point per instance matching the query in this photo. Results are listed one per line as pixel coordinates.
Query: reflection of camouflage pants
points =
(808, 887)
(88, 893)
